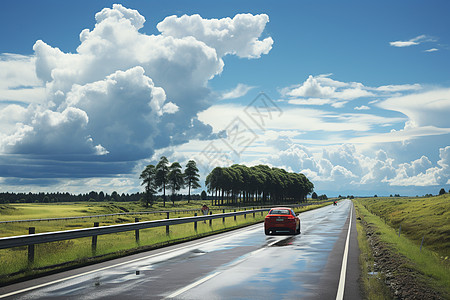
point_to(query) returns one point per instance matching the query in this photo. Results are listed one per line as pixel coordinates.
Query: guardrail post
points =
(223, 219)
(195, 224)
(235, 215)
(136, 232)
(245, 215)
(31, 230)
(399, 230)
(210, 220)
(94, 241)
(421, 243)
(167, 227)
(253, 213)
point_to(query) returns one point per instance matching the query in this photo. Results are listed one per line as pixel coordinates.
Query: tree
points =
(323, 197)
(214, 181)
(148, 177)
(162, 172)
(258, 184)
(442, 192)
(314, 195)
(115, 196)
(203, 195)
(175, 179)
(191, 177)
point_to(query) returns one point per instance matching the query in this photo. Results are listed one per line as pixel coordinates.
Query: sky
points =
(353, 94)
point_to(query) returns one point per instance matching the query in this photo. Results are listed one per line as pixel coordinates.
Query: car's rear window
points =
(279, 212)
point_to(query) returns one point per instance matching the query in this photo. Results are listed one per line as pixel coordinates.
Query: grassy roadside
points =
(429, 266)
(372, 281)
(57, 256)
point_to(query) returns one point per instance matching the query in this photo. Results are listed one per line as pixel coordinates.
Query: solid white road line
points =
(341, 287)
(112, 266)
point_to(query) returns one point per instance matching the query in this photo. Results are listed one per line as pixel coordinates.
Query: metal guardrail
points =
(144, 213)
(118, 214)
(40, 238)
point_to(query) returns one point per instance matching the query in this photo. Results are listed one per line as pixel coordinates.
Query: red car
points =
(281, 220)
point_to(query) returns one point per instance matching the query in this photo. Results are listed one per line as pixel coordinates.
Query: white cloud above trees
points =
(123, 93)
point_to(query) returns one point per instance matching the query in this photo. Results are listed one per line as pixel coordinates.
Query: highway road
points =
(320, 263)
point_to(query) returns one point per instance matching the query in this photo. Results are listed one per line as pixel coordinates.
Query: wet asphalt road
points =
(243, 264)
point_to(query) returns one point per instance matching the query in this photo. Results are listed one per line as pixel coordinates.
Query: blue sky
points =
(359, 92)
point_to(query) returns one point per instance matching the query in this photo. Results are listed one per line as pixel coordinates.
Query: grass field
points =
(64, 254)
(25, 211)
(419, 217)
(43, 211)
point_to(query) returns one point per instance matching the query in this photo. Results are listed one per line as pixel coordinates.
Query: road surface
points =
(320, 263)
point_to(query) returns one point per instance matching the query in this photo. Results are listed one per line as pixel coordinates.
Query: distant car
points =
(281, 220)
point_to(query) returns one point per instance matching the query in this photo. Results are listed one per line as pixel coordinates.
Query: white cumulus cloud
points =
(320, 90)
(239, 35)
(122, 94)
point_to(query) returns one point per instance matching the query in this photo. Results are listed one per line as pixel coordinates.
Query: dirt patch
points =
(403, 281)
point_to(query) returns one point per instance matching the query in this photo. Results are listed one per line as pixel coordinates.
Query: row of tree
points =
(314, 196)
(7, 197)
(162, 176)
(258, 184)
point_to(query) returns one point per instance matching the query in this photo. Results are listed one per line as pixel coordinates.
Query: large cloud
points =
(421, 172)
(344, 167)
(123, 93)
(228, 36)
(423, 109)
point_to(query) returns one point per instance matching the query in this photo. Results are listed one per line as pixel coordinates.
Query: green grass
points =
(26, 211)
(76, 252)
(374, 287)
(434, 267)
(418, 217)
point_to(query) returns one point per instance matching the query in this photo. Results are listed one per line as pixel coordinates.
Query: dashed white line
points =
(192, 285)
(204, 279)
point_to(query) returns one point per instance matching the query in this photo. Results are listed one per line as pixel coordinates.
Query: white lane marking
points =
(204, 279)
(341, 287)
(192, 285)
(113, 266)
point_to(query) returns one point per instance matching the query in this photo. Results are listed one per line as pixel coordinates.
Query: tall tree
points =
(191, 177)
(162, 173)
(258, 184)
(214, 181)
(175, 179)
(148, 177)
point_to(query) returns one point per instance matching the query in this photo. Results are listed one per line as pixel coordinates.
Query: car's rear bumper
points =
(280, 228)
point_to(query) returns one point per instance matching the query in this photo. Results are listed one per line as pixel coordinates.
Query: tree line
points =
(164, 176)
(92, 196)
(258, 184)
